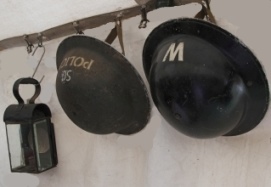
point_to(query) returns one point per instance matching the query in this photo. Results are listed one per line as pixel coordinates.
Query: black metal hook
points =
(40, 40)
(144, 19)
(29, 46)
(76, 27)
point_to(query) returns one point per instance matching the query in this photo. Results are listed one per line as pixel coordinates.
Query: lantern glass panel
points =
(22, 156)
(43, 145)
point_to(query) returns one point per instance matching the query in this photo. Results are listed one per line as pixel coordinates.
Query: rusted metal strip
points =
(86, 23)
(68, 29)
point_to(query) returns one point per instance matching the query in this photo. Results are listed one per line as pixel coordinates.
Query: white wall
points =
(159, 156)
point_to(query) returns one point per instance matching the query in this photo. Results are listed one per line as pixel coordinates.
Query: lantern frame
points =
(33, 124)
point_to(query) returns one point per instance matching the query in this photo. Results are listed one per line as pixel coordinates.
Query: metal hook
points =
(76, 27)
(144, 19)
(29, 44)
(40, 45)
(40, 40)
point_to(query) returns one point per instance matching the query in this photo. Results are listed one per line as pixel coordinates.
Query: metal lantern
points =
(30, 133)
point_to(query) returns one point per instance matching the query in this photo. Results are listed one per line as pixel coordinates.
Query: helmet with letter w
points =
(203, 80)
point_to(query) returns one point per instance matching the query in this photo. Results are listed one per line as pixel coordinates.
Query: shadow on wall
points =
(24, 180)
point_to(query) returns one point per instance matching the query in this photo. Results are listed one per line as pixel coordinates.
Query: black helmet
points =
(203, 80)
(99, 90)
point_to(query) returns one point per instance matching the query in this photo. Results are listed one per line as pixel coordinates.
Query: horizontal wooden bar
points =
(86, 23)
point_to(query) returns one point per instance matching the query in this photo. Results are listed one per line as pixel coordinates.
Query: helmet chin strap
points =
(116, 32)
(205, 12)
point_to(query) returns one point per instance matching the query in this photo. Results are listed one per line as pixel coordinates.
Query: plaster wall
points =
(158, 156)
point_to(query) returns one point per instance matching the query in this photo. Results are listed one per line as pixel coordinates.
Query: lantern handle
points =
(26, 81)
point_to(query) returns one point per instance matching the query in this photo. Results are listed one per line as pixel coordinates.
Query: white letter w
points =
(172, 52)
